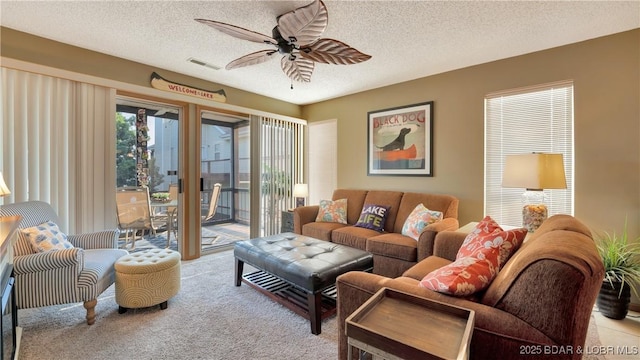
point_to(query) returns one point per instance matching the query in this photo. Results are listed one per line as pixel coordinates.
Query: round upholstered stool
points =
(147, 278)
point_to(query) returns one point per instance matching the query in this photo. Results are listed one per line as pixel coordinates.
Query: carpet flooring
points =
(209, 318)
(213, 237)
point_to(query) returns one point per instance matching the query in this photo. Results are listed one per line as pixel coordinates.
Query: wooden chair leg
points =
(91, 310)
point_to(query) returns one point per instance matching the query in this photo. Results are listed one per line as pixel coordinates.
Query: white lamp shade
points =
(4, 190)
(300, 190)
(535, 171)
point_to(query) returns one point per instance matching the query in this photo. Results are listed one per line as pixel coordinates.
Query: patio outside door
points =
(224, 160)
(147, 135)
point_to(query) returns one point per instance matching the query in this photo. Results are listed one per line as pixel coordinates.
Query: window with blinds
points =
(535, 119)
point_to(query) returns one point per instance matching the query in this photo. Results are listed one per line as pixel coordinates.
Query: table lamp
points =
(534, 172)
(4, 190)
(300, 192)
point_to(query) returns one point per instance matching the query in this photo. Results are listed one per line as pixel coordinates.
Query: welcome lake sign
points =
(158, 82)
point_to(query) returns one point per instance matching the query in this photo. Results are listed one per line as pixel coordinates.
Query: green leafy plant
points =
(621, 259)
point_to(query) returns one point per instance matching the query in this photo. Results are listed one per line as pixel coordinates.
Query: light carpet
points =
(210, 318)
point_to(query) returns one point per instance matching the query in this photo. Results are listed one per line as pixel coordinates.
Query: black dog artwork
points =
(398, 143)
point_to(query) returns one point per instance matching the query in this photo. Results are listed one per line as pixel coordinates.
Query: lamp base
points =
(533, 215)
(299, 201)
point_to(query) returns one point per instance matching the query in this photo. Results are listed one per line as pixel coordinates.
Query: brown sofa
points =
(542, 297)
(393, 253)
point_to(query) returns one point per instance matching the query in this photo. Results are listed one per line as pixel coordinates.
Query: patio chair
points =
(133, 206)
(213, 207)
(62, 276)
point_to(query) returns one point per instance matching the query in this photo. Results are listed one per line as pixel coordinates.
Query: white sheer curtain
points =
(57, 147)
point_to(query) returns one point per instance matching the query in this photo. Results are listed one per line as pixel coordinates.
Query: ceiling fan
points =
(297, 37)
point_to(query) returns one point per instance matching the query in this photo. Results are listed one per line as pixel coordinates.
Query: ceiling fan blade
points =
(299, 69)
(330, 51)
(238, 32)
(304, 24)
(251, 59)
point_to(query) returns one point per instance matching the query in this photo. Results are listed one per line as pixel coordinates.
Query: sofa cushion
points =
(355, 201)
(332, 211)
(352, 236)
(373, 217)
(320, 230)
(489, 233)
(447, 204)
(467, 275)
(419, 218)
(425, 266)
(394, 246)
(386, 198)
(47, 237)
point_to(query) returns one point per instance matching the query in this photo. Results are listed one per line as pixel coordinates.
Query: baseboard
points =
(634, 307)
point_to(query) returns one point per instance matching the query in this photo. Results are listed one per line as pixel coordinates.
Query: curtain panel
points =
(57, 141)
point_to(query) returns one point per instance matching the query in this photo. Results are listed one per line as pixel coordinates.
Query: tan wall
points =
(606, 75)
(22, 46)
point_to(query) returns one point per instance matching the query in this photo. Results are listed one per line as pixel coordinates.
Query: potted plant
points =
(621, 261)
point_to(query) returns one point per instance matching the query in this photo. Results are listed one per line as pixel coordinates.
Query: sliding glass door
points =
(224, 179)
(147, 136)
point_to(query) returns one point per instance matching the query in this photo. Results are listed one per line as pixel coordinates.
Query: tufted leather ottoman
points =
(147, 278)
(305, 263)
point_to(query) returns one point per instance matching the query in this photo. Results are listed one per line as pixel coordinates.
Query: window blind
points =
(536, 119)
(281, 167)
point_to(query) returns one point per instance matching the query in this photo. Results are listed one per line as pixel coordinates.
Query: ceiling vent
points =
(202, 63)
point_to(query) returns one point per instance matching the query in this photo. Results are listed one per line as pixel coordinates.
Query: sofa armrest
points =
(107, 239)
(49, 261)
(428, 235)
(304, 215)
(447, 244)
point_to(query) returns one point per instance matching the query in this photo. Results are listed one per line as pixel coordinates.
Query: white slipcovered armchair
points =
(77, 274)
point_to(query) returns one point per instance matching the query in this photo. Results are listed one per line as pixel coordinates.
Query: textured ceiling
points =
(406, 39)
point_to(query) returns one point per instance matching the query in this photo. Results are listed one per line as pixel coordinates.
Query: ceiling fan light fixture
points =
(203, 63)
(297, 33)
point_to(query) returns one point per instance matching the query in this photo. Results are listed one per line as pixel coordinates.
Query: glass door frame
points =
(183, 115)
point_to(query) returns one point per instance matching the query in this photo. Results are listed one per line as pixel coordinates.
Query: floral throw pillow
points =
(489, 234)
(419, 218)
(47, 237)
(332, 211)
(373, 217)
(465, 276)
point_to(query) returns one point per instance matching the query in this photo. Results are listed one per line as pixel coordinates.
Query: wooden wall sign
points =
(158, 82)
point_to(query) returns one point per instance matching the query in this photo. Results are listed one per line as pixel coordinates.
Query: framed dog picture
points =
(400, 140)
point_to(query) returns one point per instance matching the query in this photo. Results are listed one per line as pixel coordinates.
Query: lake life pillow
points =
(419, 218)
(373, 217)
(47, 237)
(332, 211)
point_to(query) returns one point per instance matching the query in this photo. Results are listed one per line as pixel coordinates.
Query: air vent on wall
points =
(202, 63)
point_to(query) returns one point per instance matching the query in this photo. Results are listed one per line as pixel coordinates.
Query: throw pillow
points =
(332, 211)
(489, 234)
(465, 276)
(47, 237)
(419, 218)
(373, 217)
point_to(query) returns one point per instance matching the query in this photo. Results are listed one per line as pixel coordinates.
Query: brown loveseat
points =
(540, 302)
(393, 253)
